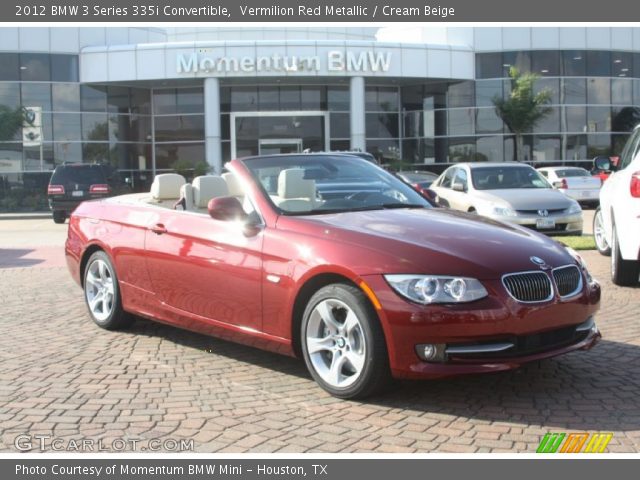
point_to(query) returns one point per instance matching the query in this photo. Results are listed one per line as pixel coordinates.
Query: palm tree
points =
(10, 122)
(523, 108)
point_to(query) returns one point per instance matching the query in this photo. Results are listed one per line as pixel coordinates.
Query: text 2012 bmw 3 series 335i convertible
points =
(331, 258)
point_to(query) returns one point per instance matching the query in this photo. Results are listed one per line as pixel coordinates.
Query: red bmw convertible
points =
(329, 257)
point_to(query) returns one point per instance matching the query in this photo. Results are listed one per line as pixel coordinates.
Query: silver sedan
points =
(509, 192)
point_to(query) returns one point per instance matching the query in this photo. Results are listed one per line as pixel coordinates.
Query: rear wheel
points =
(623, 272)
(102, 293)
(59, 216)
(343, 344)
(598, 234)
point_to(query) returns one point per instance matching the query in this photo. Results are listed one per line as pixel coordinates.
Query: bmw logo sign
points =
(537, 260)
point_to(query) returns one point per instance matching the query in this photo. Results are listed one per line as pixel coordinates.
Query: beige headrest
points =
(235, 189)
(292, 184)
(167, 186)
(186, 192)
(207, 187)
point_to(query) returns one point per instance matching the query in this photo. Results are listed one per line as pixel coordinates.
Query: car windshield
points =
(317, 184)
(502, 178)
(572, 172)
(82, 174)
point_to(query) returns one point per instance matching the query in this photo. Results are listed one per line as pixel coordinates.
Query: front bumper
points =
(536, 331)
(564, 224)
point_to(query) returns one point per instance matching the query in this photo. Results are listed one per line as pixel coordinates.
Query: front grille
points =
(568, 280)
(528, 286)
(554, 211)
(558, 228)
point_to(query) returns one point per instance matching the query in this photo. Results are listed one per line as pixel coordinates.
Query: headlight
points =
(428, 289)
(574, 208)
(503, 211)
(581, 263)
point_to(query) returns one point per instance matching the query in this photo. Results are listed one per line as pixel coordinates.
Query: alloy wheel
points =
(99, 290)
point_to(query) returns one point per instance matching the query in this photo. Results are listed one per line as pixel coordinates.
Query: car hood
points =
(430, 241)
(526, 198)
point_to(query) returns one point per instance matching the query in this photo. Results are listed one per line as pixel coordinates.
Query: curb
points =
(25, 215)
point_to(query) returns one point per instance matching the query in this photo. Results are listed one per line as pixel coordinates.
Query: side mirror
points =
(602, 163)
(458, 187)
(226, 208)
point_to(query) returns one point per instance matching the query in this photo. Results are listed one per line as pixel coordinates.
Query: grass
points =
(584, 242)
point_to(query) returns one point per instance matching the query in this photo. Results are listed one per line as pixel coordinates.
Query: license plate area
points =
(77, 193)
(545, 223)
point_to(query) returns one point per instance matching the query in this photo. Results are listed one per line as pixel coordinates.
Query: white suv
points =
(616, 224)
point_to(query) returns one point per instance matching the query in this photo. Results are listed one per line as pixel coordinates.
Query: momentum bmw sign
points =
(336, 61)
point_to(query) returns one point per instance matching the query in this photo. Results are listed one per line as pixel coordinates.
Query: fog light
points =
(431, 352)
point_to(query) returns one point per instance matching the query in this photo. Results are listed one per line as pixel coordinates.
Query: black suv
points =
(72, 184)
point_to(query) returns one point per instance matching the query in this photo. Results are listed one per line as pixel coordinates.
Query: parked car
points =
(508, 192)
(365, 286)
(616, 224)
(575, 182)
(419, 180)
(73, 183)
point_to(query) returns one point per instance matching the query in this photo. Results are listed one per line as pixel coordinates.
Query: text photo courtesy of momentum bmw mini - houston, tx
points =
(335, 239)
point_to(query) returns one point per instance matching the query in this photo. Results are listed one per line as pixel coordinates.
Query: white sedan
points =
(616, 224)
(574, 182)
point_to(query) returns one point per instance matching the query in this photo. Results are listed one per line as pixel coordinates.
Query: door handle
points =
(158, 229)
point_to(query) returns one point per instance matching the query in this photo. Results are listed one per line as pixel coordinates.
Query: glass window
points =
(339, 145)
(461, 94)
(179, 128)
(65, 97)
(118, 99)
(385, 151)
(169, 154)
(418, 150)
(461, 177)
(552, 85)
(338, 98)
(546, 148)
(574, 90)
(575, 119)
(10, 94)
(574, 63)
(550, 123)
(225, 99)
(9, 67)
(545, 63)
(37, 95)
(244, 99)
(67, 152)
(35, 67)
(521, 60)
(64, 68)
(598, 63)
(598, 91)
(598, 144)
(489, 65)
(487, 121)
(382, 125)
(486, 91)
(178, 100)
(624, 119)
(268, 99)
(636, 92)
(490, 149)
(339, 124)
(33, 157)
(66, 127)
(289, 98)
(93, 99)
(461, 121)
(621, 64)
(462, 149)
(381, 99)
(95, 127)
(313, 98)
(95, 152)
(621, 91)
(140, 126)
(411, 97)
(598, 119)
(141, 101)
(225, 126)
(575, 147)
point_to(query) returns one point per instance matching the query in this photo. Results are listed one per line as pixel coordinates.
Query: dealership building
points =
(156, 99)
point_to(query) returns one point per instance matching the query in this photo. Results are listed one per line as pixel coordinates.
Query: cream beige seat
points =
(235, 189)
(295, 193)
(165, 189)
(205, 188)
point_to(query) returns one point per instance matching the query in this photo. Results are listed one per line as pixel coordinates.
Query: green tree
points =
(523, 108)
(10, 122)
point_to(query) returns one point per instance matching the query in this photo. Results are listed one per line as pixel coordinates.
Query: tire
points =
(472, 210)
(357, 352)
(59, 216)
(623, 272)
(102, 293)
(598, 234)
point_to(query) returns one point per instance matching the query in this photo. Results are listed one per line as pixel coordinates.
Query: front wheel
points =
(102, 293)
(343, 344)
(623, 272)
(598, 234)
(59, 216)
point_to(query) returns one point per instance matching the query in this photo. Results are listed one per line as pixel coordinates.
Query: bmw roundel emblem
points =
(537, 260)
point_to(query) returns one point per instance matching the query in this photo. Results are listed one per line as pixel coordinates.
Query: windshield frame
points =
(299, 160)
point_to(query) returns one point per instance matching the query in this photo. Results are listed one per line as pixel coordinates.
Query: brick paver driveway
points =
(62, 376)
